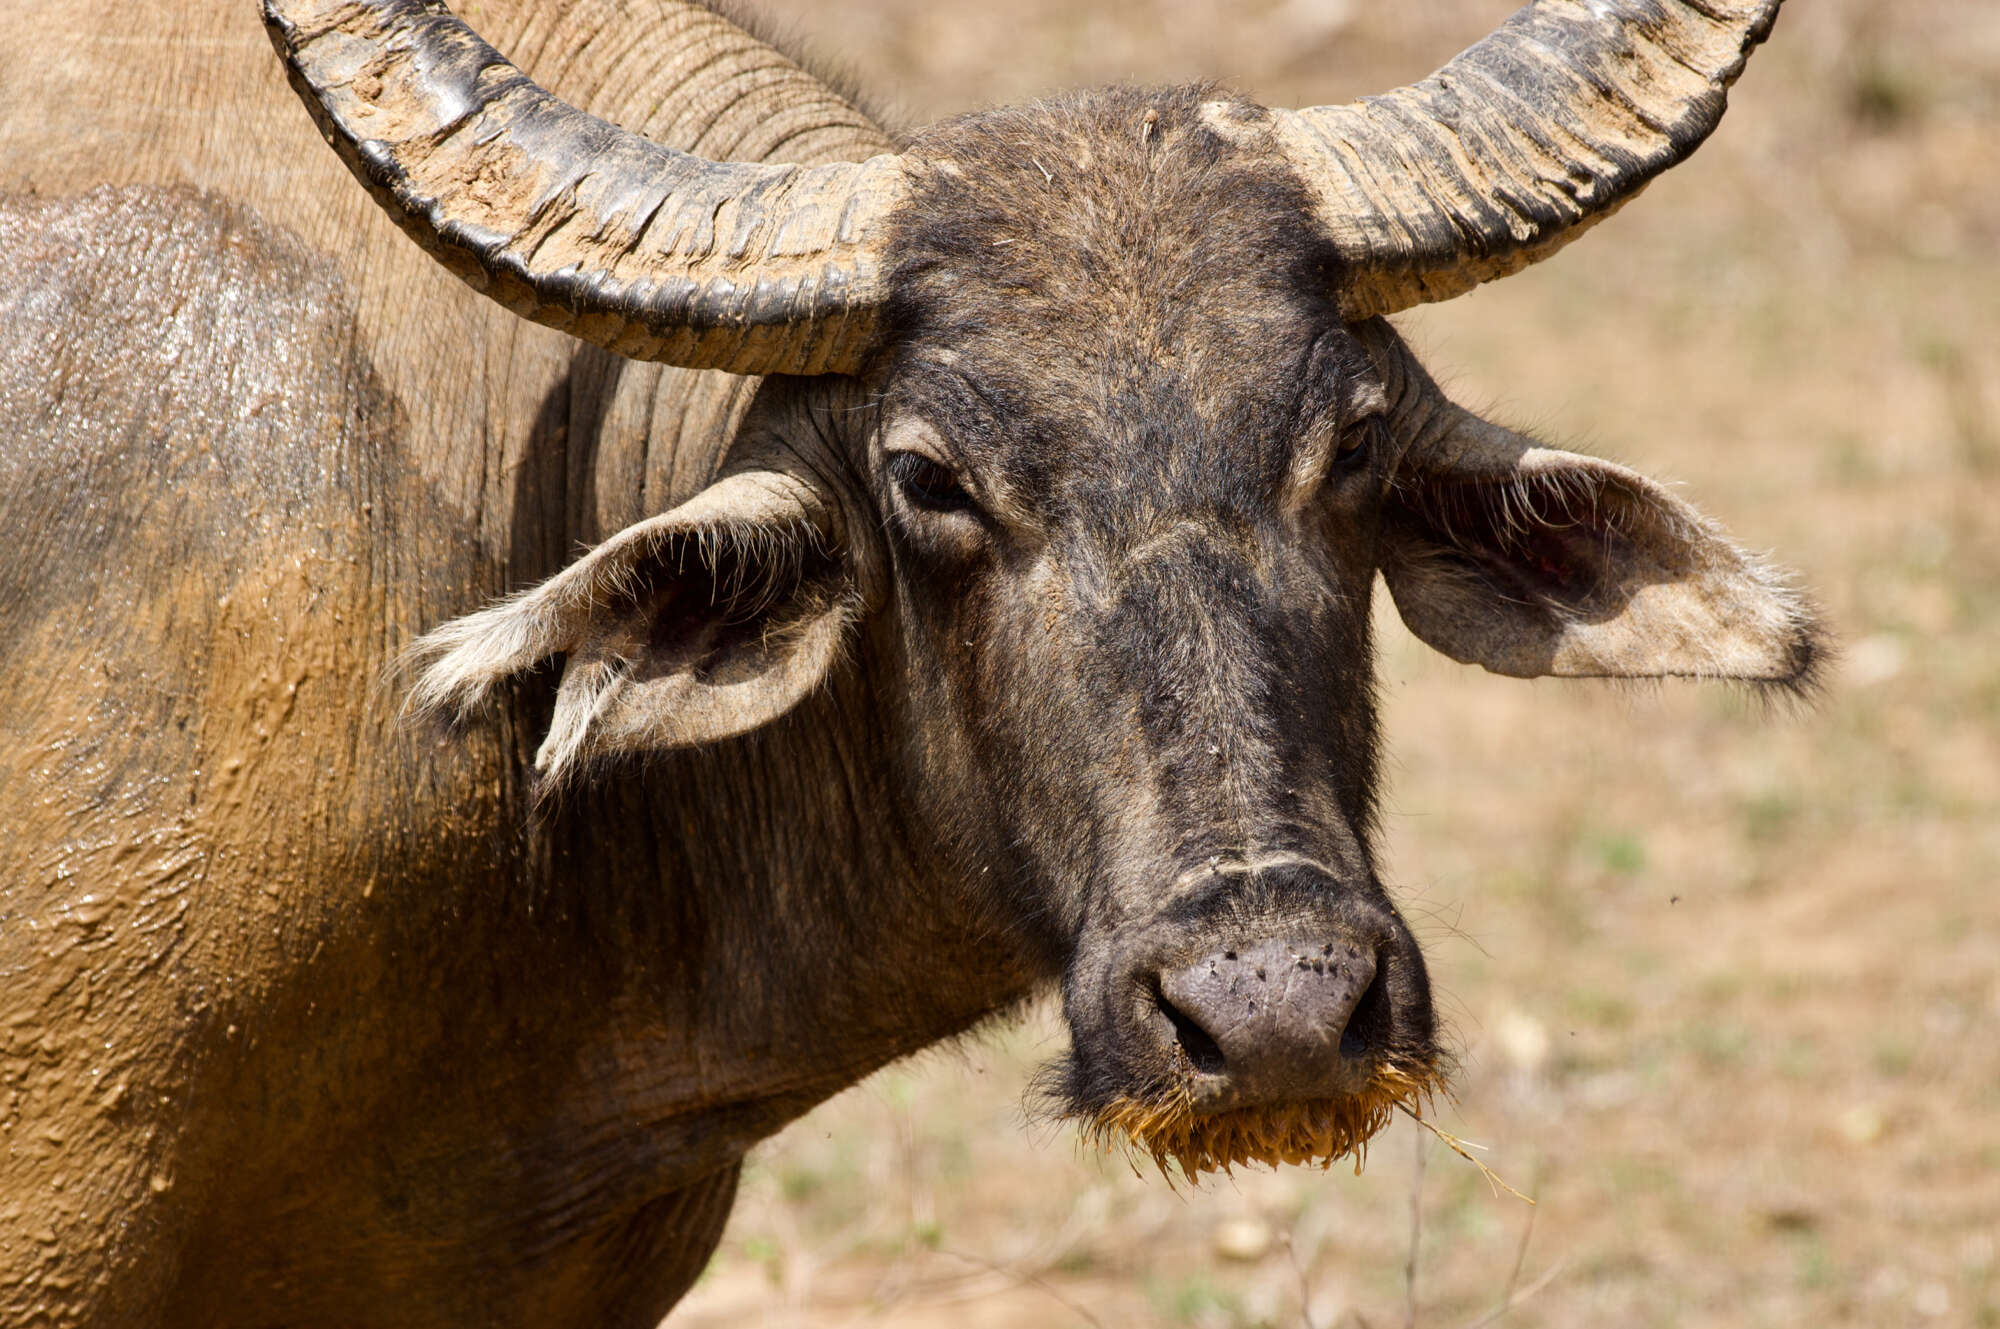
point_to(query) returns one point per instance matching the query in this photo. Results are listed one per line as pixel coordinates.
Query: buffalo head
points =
(1088, 442)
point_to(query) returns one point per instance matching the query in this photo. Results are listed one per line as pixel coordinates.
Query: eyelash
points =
(1357, 443)
(928, 484)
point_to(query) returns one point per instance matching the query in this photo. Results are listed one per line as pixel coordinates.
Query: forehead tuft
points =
(1151, 215)
(1148, 247)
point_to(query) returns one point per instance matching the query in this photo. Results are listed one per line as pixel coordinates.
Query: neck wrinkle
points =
(772, 941)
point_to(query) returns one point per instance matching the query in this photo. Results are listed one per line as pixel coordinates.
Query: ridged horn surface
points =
(1519, 144)
(573, 222)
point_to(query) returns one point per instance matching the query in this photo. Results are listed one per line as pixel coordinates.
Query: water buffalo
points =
(1012, 629)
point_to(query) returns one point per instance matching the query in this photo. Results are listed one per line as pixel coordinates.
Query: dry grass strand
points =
(1316, 1132)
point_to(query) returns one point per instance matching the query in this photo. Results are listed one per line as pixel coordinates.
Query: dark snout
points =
(1255, 989)
(1277, 1020)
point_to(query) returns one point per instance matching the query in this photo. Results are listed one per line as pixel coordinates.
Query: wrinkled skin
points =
(296, 1025)
(1039, 653)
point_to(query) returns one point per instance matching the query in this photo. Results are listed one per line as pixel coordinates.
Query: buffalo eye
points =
(1358, 442)
(928, 484)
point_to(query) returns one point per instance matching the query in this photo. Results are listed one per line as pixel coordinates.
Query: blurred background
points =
(1725, 980)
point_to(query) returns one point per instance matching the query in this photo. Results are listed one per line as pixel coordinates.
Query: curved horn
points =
(575, 223)
(1520, 143)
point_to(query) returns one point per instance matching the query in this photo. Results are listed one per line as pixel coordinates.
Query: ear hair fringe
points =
(565, 760)
(457, 666)
(578, 705)
(1513, 504)
(1510, 505)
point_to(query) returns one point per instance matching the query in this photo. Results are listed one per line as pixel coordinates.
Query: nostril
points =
(1202, 1051)
(1368, 1024)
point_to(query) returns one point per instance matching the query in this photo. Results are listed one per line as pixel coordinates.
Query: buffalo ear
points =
(1530, 561)
(696, 625)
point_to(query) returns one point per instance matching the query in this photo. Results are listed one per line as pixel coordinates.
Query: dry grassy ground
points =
(1724, 981)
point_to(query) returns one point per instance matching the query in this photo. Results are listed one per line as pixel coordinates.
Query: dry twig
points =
(1305, 1286)
(1464, 1149)
(1416, 1229)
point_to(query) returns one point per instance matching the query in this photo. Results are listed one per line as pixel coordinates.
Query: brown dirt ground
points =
(1724, 979)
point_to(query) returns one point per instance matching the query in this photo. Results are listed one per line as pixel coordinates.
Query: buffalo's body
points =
(297, 1028)
(312, 1016)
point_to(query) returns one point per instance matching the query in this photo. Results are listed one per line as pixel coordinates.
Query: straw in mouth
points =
(1317, 1131)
